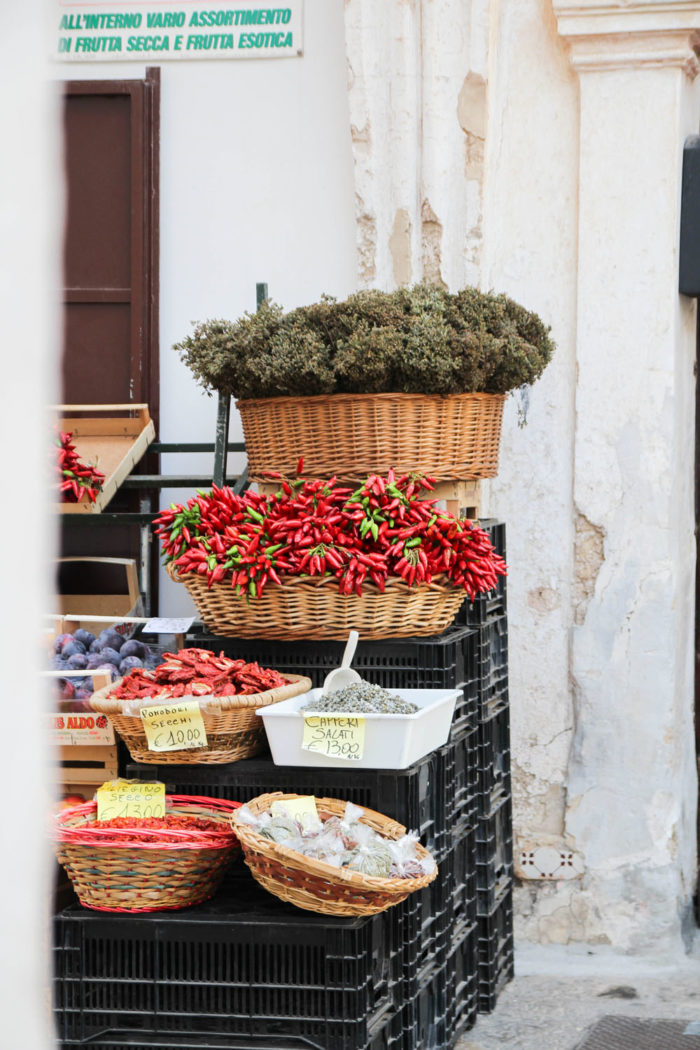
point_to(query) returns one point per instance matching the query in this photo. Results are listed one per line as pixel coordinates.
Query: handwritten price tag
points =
(174, 727)
(130, 798)
(302, 809)
(335, 737)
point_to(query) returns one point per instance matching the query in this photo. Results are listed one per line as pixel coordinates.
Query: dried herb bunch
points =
(414, 340)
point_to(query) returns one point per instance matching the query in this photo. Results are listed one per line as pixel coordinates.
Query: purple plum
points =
(76, 662)
(112, 668)
(110, 656)
(60, 640)
(71, 648)
(129, 663)
(67, 689)
(134, 648)
(86, 637)
(110, 639)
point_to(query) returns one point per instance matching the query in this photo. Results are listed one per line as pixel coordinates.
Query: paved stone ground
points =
(559, 993)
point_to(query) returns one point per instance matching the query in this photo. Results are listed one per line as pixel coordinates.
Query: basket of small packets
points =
(330, 856)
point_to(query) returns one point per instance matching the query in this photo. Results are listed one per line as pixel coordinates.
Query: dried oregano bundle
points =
(414, 340)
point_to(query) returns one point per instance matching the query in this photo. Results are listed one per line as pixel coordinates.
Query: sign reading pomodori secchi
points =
(157, 31)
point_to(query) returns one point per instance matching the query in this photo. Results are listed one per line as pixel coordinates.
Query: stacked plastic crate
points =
(245, 970)
(494, 836)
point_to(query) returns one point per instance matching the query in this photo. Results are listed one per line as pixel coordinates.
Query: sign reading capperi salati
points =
(158, 31)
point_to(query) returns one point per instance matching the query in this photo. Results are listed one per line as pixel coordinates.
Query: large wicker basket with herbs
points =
(413, 379)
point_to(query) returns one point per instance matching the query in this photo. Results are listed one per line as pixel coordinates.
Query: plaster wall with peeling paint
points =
(597, 489)
(544, 144)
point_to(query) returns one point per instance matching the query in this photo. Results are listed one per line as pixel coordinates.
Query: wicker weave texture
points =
(145, 878)
(305, 607)
(236, 733)
(449, 436)
(312, 884)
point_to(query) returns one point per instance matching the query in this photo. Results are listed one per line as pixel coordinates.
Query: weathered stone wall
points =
(535, 148)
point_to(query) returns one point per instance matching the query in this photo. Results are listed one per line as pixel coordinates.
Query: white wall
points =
(256, 185)
(30, 214)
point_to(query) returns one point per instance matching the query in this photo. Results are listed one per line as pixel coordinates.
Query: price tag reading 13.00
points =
(174, 727)
(336, 737)
(130, 798)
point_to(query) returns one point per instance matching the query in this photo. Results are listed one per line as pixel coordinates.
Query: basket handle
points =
(173, 573)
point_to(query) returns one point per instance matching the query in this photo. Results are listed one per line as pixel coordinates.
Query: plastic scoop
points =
(344, 675)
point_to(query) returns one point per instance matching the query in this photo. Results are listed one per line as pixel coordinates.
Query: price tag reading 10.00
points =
(174, 727)
(130, 798)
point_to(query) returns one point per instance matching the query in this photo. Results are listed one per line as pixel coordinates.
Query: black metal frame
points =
(151, 485)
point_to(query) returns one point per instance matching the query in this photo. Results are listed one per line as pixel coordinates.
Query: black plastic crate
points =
(232, 969)
(418, 797)
(492, 665)
(494, 855)
(462, 984)
(425, 1013)
(459, 867)
(389, 1036)
(493, 739)
(495, 951)
(494, 602)
(424, 919)
(436, 662)
(461, 759)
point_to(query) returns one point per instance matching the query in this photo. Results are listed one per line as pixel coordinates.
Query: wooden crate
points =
(462, 498)
(87, 764)
(112, 438)
(105, 608)
(85, 747)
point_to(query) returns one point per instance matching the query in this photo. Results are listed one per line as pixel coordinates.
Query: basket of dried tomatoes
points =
(133, 864)
(227, 693)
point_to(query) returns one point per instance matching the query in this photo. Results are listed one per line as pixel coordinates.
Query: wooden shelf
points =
(112, 438)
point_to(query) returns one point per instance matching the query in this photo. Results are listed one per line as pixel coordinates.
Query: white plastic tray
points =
(390, 741)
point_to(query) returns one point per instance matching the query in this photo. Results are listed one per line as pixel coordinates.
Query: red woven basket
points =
(146, 869)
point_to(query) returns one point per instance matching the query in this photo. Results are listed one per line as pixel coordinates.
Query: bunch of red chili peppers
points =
(75, 477)
(384, 529)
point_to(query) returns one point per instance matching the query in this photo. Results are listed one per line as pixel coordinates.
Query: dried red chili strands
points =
(197, 672)
(170, 822)
(384, 529)
(75, 478)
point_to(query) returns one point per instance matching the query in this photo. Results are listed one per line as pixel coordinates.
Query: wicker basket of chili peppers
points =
(153, 864)
(315, 559)
(227, 692)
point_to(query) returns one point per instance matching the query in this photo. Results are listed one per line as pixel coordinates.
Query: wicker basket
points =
(452, 437)
(234, 732)
(314, 885)
(310, 607)
(111, 872)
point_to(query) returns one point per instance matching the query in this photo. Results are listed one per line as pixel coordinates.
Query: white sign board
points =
(160, 31)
